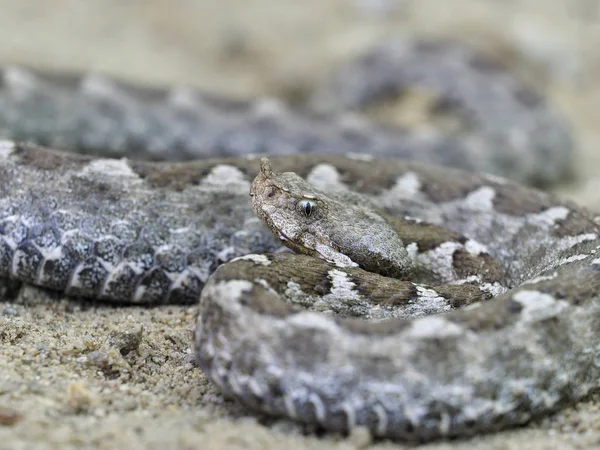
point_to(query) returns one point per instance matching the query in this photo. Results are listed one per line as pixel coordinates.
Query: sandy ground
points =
(77, 375)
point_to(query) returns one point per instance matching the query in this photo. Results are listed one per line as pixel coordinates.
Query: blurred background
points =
(247, 48)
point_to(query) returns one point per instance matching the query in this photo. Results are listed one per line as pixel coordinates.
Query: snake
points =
(352, 278)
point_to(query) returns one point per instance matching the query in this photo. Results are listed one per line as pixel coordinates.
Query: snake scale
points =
(419, 250)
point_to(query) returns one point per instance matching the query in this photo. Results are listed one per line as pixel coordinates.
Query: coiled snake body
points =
(280, 332)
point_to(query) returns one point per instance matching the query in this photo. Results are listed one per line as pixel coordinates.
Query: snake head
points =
(324, 225)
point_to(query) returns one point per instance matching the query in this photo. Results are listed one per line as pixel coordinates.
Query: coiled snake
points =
(395, 242)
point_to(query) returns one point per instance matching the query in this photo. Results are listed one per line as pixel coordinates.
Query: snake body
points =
(155, 232)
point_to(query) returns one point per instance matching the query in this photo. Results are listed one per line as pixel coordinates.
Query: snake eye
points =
(270, 192)
(307, 207)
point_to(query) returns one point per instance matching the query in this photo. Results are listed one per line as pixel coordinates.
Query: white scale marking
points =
(6, 148)
(113, 167)
(263, 260)
(319, 406)
(382, 419)
(433, 327)
(538, 305)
